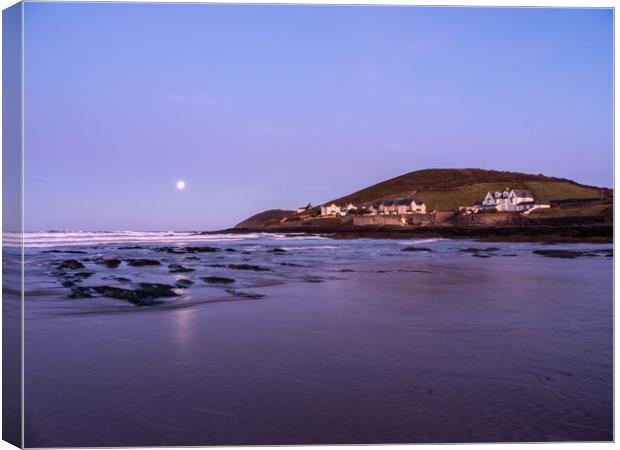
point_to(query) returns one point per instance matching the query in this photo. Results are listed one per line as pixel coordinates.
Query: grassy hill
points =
(444, 189)
(270, 217)
(450, 188)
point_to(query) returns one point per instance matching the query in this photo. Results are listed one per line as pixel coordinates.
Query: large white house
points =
(509, 200)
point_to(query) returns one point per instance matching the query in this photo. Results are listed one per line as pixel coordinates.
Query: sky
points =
(261, 107)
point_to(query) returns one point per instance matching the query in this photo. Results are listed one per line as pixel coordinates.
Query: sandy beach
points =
(380, 346)
(274, 224)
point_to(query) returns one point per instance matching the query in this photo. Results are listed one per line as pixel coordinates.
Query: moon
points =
(180, 185)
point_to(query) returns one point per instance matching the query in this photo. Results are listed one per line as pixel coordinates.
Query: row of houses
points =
(398, 207)
(509, 200)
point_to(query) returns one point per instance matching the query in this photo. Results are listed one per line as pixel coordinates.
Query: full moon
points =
(180, 185)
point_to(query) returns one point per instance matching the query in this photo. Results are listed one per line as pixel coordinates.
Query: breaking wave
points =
(89, 238)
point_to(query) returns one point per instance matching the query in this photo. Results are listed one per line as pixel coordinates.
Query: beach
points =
(274, 224)
(355, 341)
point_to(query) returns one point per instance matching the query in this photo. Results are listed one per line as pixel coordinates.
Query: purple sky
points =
(260, 107)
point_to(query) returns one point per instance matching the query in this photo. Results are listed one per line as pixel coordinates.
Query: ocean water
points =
(316, 340)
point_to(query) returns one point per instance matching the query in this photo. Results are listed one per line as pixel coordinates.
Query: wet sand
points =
(465, 350)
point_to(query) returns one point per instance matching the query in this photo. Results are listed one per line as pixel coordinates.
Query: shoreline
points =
(602, 234)
(426, 331)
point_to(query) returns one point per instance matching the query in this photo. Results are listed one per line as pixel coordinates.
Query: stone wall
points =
(442, 217)
(327, 221)
(405, 220)
(376, 220)
(420, 219)
(485, 220)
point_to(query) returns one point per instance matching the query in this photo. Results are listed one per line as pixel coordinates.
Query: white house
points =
(373, 209)
(330, 210)
(387, 208)
(518, 197)
(509, 200)
(347, 208)
(492, 199)
(410, 205)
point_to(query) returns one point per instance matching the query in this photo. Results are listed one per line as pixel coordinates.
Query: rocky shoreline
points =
(147, 275)
(592, 233)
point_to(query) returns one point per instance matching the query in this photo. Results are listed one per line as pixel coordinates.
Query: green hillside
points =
(450, 188)
(270, 217)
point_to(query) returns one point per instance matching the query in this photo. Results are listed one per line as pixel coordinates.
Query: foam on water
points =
(85, 238)
(420, 241)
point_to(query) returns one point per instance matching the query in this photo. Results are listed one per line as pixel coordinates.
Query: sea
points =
(279, 339)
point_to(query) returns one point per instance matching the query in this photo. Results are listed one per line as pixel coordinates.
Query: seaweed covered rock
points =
(248, 267)
(110, 263)
(146, 294)
(218, 280)
(71, 264)
(480, 250)
(130, 295)
(169, 249)
(82, 275)
(565, 254)
(156, 290)
(139, 262)
(205, 249)
(122, 279)
(416, 249)
(178, 268)
(313, 279)
(183, 283)
(80, 292)
(70, 279)
(190, 249)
